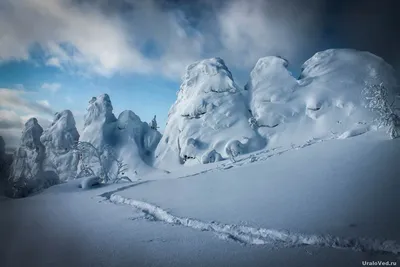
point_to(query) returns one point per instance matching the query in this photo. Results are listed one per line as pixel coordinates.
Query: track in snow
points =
(258, 236)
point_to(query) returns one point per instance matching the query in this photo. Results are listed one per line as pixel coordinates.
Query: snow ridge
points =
(261, 236)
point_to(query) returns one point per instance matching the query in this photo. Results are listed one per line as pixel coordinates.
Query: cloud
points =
(10, 120)
(17, 100)
(44, 103)
(80, 36)
(53, 87)
(54, 61)
(163, 37)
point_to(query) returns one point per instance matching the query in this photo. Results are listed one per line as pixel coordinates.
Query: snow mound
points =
(210, 114)
(59, 140)
(132, 140)
(27, 174)
(90, 182)
(326, 100)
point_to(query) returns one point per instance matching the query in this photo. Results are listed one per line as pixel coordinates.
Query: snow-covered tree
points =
(153, 124)
(379, 101)
(95, 161)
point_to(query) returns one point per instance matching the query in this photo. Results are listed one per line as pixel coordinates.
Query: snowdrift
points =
(325, 101)
(209, 120)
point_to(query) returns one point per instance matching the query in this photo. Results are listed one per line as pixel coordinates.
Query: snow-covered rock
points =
(59, 140)
(136, 142)
(209, 114)
(131, 140)
(324, 102)
(2, 148)
(27, 174)
(99, 122)
(3, 166)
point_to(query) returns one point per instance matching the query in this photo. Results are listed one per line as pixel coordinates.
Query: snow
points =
(326, 99)
(210, 114)
(294, 173)
(331, 203)
(132, 140)
(59, 140)
(27, 166)
(89, 182)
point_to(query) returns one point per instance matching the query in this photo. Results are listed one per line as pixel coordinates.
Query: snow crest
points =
(326, 99)
(209, 117)
(59, 140)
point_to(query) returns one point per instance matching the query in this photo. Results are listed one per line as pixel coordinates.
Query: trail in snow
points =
(257, 236)
(261, 155)
(269, 153)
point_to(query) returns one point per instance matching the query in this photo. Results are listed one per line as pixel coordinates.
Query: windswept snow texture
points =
(209, 118)
(326, 100)
(133, 141)
(59, 140)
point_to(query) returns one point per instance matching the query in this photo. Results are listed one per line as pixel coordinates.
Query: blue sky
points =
(57, 54)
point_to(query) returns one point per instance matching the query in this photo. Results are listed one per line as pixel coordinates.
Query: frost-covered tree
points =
(379, 101)
(153, 124)
(96, 161)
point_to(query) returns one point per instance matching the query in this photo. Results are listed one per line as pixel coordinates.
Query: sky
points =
(57, 54)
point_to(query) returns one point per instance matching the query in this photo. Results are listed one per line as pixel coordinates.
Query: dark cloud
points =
(140, 36)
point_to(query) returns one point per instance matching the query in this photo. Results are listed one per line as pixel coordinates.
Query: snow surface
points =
(326, 100)
(59, 140)
(336, 205)
(210, 114)
(133, 141)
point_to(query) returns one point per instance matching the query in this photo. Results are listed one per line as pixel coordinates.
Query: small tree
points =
(378, 101)
(153, 124)
(90, 155)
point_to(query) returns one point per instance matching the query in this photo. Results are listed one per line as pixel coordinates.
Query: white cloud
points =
(52, 87)
(84, 37)
(44, 103)
(54, 61)
(10, 120)
(18, 100)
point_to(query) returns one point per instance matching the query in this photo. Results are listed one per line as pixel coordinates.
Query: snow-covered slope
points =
(132, 140)
(326, 100)
(209, 120)
(59, 140)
